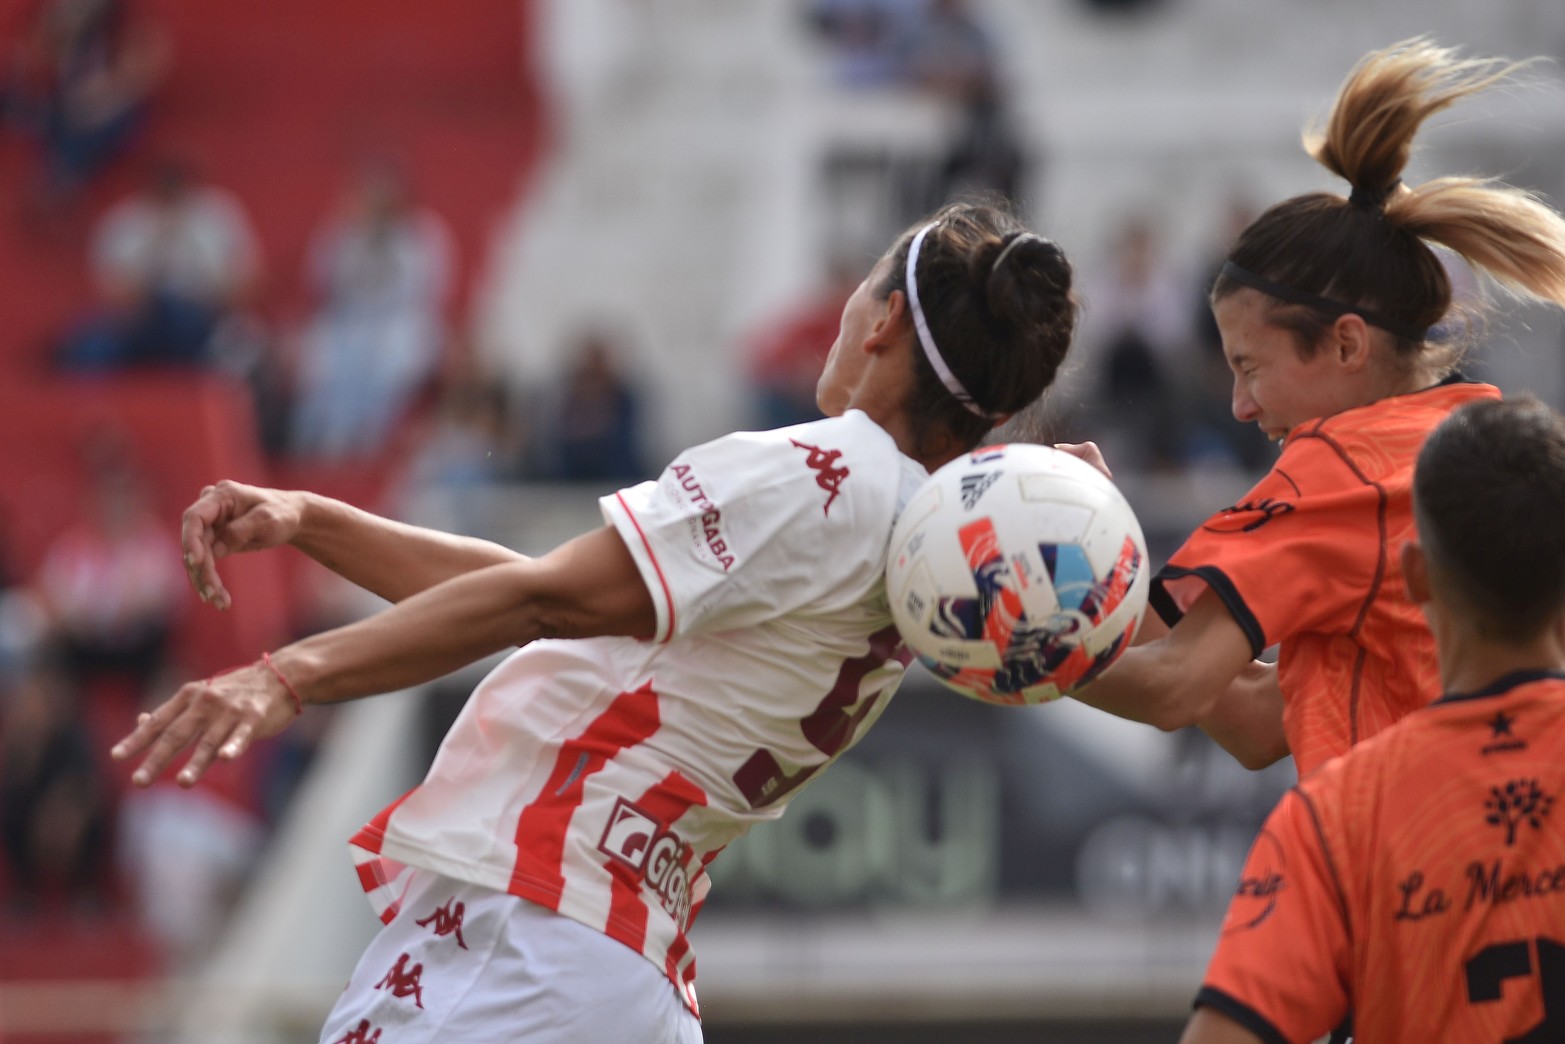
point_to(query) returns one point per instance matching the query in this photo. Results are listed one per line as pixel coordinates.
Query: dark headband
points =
(1325, 304)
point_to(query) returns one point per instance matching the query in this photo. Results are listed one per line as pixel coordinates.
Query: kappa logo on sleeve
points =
(1248, 516)
(824, 461)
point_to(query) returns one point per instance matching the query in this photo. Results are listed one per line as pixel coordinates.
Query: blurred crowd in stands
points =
(377, 372)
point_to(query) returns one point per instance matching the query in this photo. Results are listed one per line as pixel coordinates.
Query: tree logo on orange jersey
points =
(1517, 802)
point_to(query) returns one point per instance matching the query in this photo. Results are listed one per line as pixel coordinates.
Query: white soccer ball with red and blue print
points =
(1017, 573)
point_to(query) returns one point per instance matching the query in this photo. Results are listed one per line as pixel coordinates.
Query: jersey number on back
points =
(1490, 967)
(829, 727)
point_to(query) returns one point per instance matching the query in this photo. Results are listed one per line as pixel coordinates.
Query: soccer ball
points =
(1017, 574)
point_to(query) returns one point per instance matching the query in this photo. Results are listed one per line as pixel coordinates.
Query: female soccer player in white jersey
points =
(683, 670)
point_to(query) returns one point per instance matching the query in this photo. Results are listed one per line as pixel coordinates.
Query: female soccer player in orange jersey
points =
(1326, 306)
(1419, 878)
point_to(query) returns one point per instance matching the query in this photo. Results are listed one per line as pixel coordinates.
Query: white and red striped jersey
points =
(599, 777)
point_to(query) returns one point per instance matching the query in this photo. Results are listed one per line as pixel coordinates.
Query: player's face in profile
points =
(1274, 387)
(845, 363)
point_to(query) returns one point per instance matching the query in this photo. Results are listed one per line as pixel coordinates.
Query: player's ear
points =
(1350, 340)
(1415, 572)
(893, 322)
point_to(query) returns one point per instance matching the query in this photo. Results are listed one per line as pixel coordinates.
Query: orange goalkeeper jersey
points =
(1309, 561)
(1419, 880)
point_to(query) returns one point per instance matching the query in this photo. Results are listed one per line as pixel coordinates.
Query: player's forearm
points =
(1147, 685)
(388, 558)
(1246, 720)
(423, 637)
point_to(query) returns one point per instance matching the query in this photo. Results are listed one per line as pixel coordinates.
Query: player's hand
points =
(1087, 451)
(217, 718)
(230, 518)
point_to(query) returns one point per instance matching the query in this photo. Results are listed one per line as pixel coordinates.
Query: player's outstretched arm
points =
(390, 559)
(1180, 678)
(587, 587)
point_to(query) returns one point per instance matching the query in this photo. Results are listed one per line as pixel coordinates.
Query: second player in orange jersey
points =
(1420, 879)
(1331, 311)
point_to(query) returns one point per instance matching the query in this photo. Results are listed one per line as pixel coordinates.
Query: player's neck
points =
(1470, 662)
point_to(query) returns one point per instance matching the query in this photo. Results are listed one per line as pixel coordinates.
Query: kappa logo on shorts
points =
(404, 980)
(645, 845)
(360, 1034)
(824, 461)
(447, 920)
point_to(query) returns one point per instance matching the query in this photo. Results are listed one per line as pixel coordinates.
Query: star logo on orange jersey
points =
(1504, 735)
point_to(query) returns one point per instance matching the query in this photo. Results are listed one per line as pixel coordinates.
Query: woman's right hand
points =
(228, 519)
(1087, 451)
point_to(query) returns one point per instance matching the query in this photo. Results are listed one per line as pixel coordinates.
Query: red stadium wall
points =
(276, 102)
(180, 431)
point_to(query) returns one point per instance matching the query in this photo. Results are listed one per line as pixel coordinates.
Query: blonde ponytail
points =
(1321, 254)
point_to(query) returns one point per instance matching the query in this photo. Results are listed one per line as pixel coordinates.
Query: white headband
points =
(1018, 238)
(926, 340)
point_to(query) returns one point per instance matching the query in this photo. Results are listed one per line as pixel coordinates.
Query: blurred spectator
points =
(1138, 318)
(942, 49)
(472, 437)
(173, 264)
(949, 52)
(22, 623)
(865, 36)
(380, 269)
(52, 798)
(187, 853)
(597, 433)
(111, 585)
(79, 84)
(783, 362)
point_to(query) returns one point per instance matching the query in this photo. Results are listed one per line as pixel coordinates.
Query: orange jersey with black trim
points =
(1310, 561)
(1418, 881)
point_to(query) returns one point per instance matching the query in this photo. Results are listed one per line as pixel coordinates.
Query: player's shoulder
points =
(1415, 413)
(1403, 755)
(849, 460)
(850, 450)
(853, 433)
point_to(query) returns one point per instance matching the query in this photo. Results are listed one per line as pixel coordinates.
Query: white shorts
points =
(461, 963)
